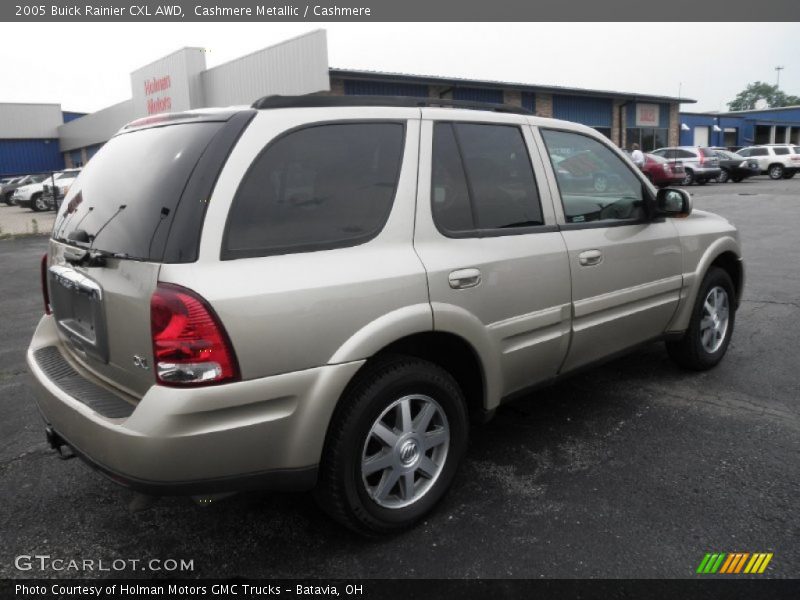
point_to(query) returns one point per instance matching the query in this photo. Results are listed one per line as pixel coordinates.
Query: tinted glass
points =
(724, 154)
(594, 182)
(744, 152)
(317, 188)
(759, 152)
(781, 151)
(796, 149)
(449, 192)
(489, 163)
(685, 154)
(124, 201)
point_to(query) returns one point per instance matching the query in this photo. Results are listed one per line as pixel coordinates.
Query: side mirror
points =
(673, 202)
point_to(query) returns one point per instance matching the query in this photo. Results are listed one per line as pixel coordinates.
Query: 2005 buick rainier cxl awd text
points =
(321, 293)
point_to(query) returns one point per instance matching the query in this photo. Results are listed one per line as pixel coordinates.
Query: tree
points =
(746, 99)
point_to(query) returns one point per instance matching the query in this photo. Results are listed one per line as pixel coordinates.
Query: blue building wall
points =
(71, 116)
(589, 111)
(29, 156)
(744, 123)
(384, 88)
(478, 95)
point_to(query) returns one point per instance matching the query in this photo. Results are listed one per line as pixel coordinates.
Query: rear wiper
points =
(94, 258)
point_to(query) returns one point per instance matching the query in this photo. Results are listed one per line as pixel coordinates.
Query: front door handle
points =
(464, 278)
(590, 257)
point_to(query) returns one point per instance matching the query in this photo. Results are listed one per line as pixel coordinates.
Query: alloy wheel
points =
(714, 322)
(405, 451)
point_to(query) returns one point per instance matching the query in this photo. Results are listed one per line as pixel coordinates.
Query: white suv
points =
(779, 161)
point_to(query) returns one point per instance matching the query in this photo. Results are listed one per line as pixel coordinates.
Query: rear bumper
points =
(266, 433)
(706, 172)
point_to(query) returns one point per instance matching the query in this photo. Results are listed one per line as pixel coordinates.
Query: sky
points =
(87, 66)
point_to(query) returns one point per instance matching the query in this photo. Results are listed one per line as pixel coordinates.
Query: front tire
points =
(723, 176)
(776, 172)
(7, 199)
(393, 447)
(38, 203)
(711, 326)
(688, 177)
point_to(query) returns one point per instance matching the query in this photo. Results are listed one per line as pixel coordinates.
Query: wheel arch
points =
(724, 253)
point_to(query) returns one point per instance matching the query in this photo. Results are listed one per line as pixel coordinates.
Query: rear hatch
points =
(709, 158)
(111, 235)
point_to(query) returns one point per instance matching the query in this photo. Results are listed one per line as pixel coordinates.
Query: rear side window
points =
(482, 180)
(125, 198)
(781, 151)
(318, 188)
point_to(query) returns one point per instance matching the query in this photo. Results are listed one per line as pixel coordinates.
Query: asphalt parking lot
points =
(633, 469)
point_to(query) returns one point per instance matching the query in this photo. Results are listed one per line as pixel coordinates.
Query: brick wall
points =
(673, 136)
(512, 97)
(544, 105)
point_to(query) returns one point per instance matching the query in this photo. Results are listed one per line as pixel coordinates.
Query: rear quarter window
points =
(317, 188)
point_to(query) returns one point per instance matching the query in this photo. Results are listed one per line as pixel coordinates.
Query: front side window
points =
(759, 152)
(595, 183)
(482, 179)
(322, 187)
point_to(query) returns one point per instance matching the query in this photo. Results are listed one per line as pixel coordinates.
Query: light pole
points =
(779, 69)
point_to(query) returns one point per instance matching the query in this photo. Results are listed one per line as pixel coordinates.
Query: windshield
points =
(125, 198)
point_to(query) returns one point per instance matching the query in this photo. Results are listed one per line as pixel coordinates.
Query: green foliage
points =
(746, 99)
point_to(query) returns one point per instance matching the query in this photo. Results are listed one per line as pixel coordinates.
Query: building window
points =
(648, 138)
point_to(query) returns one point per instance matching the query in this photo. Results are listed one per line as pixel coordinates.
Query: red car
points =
(662, 172)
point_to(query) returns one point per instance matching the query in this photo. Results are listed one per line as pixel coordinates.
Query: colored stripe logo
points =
(734, 563)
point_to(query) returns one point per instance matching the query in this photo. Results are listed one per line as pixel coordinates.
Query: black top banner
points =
(321, 11)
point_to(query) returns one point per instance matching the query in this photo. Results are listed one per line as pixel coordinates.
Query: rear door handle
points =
(590, 257)
(464, 278)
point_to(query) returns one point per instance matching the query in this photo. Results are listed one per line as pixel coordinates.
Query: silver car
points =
(321, 293)
(700, 165)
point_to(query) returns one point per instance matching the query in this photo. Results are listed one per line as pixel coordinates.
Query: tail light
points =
(702, 157)
(45, 291)
(190, 346)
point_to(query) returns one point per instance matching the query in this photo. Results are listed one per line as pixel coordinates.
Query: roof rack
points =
(404, 101)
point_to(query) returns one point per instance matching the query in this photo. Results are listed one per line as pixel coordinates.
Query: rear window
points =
(318, 188)
(125, 198)
(708, 153)
(796, 149)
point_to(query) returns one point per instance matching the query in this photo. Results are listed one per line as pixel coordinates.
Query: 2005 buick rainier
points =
(322, 293)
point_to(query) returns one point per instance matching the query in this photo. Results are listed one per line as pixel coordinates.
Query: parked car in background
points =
(778, 161)
(55, 191)
(700, 164)
(310, 295)
(8, 188)
(32, 196)
(734, 167)
(662, 172)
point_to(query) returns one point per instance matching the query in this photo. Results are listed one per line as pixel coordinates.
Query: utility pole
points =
(779, 69)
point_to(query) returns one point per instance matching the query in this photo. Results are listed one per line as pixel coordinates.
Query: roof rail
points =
(405, 101)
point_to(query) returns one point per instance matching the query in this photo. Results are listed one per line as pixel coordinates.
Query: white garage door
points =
(701, 136)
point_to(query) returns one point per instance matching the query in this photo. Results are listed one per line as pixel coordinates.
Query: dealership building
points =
(42, 137)
(741, 128)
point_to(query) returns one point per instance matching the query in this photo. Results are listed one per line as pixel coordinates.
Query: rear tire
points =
(702, 181)
(688, 177)
(737, 179)
(776, 172)
(723, 177)
(379, 434)
(711, 326)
